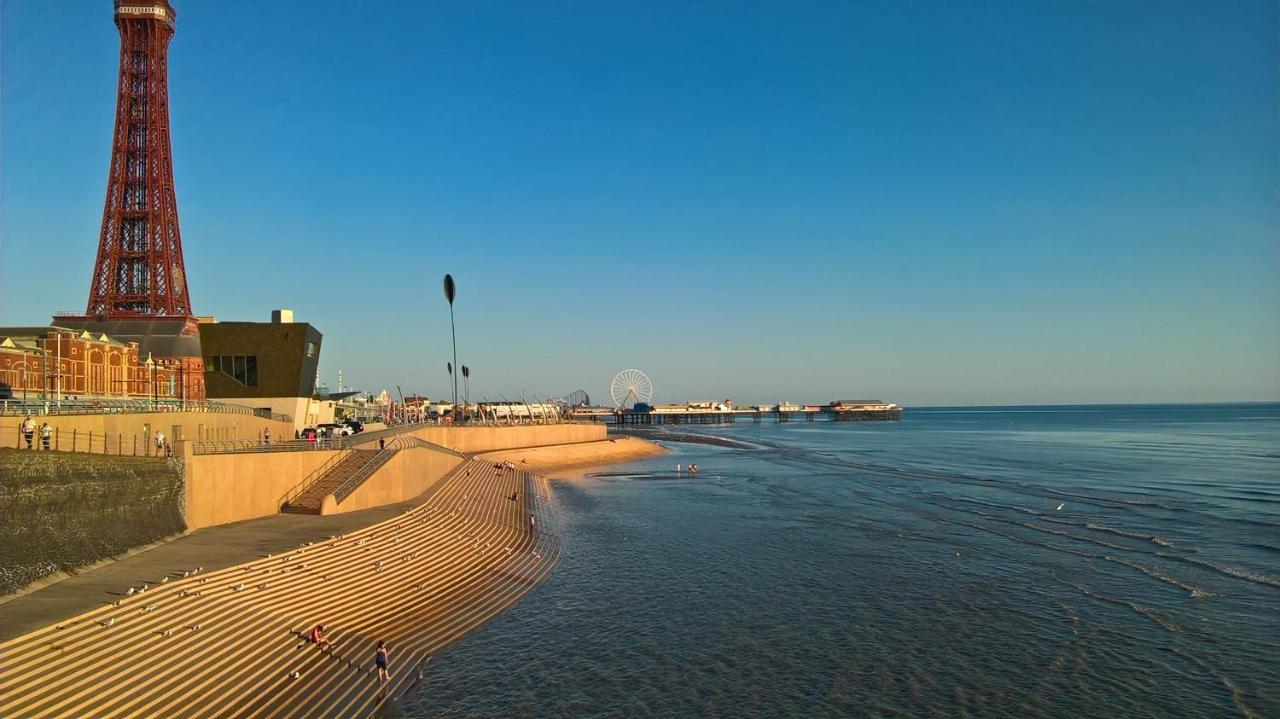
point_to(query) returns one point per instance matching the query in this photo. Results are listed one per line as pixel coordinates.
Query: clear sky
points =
(927, 202)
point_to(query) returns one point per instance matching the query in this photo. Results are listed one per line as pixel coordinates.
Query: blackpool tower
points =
(139, 271)
(138, 293)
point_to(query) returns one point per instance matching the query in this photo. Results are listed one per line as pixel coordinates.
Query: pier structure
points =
(725, 413)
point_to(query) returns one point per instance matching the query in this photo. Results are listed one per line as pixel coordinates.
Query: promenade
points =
(225, 642)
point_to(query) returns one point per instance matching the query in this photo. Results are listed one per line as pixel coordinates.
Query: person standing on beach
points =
(46, 435)
(159, 443)
(29, 431)
(380, 658)
(266, 437)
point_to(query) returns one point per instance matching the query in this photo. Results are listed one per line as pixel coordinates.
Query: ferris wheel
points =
(629, 387)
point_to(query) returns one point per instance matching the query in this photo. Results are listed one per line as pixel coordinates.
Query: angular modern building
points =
(265, 365)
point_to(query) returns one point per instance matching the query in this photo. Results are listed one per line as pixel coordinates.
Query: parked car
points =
(355, 425)
(329, 429)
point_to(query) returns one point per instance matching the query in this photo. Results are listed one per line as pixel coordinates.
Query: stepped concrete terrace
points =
(225, 642)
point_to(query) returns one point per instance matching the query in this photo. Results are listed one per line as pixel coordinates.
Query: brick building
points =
(65, 363)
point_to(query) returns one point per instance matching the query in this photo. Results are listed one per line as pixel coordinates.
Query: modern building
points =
(266, 365)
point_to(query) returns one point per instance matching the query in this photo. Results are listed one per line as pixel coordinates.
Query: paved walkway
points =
(212, 548)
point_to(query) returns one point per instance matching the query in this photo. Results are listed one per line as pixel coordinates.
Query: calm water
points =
(913, 569)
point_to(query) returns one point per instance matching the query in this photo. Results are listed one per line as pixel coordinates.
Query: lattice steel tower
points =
(139, 270)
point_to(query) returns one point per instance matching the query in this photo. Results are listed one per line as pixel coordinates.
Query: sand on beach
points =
(581, 454)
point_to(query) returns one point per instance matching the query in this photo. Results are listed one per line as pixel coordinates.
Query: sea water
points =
(999, 562)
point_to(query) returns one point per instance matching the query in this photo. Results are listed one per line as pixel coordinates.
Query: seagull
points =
(129, 593)
(1060, 506)
(116, 603)
(238, 587)
(262, 586)
(109, 623)
(295, 675)
(164, 580)
(199, 569)
(144, 587)
(195, 627)
(186, 574)
(166, 632)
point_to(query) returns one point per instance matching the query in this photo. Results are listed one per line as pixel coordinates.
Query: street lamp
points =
(151, 376)
(466, 385)
(449, 291)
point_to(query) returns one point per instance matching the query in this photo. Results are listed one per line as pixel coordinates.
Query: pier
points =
(717, 413)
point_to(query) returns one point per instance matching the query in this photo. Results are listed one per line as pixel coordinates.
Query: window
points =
(313, 348)
(241, 368)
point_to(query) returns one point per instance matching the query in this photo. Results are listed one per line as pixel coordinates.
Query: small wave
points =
(1229, 571)
(1145, 611)
(1193, 590)
(1134, 535)
(1237, 696)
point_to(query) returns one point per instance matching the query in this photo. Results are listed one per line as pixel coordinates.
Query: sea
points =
(1070, 561)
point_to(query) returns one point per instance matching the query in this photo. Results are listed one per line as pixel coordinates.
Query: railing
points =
(42, 407)
(350, 484)
(241, 446)
(76, 440)
(297, 489)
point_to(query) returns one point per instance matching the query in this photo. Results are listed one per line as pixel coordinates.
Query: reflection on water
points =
(1063, 562)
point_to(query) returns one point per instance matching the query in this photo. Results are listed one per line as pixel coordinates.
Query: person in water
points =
(380, 658)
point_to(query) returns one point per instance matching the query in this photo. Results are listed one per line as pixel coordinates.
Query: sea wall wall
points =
(223, 488)
(61, 511)
(475, 439)
(409, 473)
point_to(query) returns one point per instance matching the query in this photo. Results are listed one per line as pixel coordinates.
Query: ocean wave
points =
(1237, 572)
(1195, 591)
(1155, 538)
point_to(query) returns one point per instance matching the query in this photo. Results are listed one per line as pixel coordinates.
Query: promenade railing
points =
(77, 440)
(109, 405)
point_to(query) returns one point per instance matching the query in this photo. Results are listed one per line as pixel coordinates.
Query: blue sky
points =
(928, 202)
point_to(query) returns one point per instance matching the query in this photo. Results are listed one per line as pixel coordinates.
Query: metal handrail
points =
(350, 484)
(243, 446)
(310, 479)
(115, 405)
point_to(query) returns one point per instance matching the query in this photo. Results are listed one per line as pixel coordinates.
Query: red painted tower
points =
(139, 271)
(138, 293)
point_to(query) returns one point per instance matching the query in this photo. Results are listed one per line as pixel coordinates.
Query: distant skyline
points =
(930, 203)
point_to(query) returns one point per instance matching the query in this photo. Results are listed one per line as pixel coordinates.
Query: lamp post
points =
(450, 290)
(151, 378)
(466, 386)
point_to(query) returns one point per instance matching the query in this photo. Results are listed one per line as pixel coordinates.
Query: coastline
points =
(457, 556)
(555, 458)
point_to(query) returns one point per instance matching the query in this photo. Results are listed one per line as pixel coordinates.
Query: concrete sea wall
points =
(61, 511)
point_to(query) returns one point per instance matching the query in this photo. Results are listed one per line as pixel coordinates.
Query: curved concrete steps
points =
(418, 582)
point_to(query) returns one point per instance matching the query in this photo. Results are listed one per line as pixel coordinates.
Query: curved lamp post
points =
(450, 290)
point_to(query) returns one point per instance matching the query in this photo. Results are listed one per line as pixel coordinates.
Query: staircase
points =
(355, 462)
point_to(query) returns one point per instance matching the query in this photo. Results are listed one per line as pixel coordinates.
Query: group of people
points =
(29, 430)
(380, 657)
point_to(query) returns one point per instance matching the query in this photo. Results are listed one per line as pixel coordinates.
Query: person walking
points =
(266, 437)
(29, 430)
(382, 443)
(159, 444)
(46, 436)
(380, 658)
